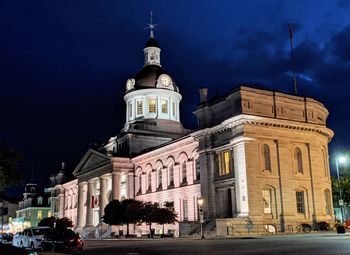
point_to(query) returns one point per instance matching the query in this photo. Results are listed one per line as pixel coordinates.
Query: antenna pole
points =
(292, 58)
(151, 26)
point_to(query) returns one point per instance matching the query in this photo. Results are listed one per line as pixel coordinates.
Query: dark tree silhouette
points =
(47, 222)
(8, 160)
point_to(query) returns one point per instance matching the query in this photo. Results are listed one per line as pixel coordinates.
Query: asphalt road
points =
(318, 244)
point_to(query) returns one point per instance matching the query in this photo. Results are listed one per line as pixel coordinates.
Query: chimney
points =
(203, 92)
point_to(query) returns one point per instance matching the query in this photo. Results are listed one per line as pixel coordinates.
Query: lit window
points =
(300, 201)
(152, 105)
(266, 157)
(139, 107)
(49, 214)
(298, 159)
(164, 104)
(225, 164)
(267, 201)
(40, 214)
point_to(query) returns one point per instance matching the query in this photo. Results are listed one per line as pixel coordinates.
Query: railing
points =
(259, 229)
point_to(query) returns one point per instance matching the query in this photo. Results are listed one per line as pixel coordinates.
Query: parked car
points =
(31, 237)
(62, 239)
(16, 239)
(7, 238)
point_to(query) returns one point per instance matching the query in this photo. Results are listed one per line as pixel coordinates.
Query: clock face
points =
(165, 80)
(130, 84)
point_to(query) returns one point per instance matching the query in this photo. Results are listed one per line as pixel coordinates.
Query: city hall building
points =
(258, 157)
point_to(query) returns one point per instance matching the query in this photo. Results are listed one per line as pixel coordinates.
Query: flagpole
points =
(291, 57)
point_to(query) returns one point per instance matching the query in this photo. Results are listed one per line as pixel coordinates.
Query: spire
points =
(152, 50)
(151, 26)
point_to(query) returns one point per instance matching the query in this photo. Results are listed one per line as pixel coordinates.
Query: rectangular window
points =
(198, 169)
(164, 104)
(300, 201)
(185, 210)
(139, 107)
(174, 112)
(49, 214)
(267, 201)
(130, 109)
(40, 214)
(152, 105)
(225, 163)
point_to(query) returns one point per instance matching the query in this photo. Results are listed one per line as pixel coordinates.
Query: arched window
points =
(184, 172)
(327, 197)
(149, 178)
(160, 178)
(171, 175)
(300, 201)
(140, 183)
(267, 200)
(266, 157)
(298, 160)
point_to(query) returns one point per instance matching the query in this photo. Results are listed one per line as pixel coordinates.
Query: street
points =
(320, 244)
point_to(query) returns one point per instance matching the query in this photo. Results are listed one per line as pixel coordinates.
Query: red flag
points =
(290, 31)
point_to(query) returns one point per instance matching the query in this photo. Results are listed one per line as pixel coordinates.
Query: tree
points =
(150, 215)
(47, 222)
(114, 213)
(167, 214)
(127, 211)
(133, 212)
(8, 160)
(345, 189)
(52, 222)
(63, 223)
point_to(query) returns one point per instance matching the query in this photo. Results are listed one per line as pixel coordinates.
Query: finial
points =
(151, 26)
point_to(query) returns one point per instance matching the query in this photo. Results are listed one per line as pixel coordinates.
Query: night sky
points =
(64, 64)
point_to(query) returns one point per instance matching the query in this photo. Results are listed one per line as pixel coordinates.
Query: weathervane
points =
(151, 26)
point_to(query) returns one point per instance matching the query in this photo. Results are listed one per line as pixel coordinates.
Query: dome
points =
(148, 77)
(151, 43)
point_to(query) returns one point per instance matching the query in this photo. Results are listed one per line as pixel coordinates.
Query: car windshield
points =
(41, 231)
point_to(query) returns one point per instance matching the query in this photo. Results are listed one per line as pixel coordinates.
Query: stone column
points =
(116, 185)
(103, 193)
(61, 197)
(89, 209)
(241, 179)
(81, 204)
(131, 185)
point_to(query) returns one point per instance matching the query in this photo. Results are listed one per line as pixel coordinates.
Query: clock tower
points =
(152, 105)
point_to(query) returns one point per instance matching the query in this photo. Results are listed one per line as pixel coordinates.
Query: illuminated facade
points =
(258, 156)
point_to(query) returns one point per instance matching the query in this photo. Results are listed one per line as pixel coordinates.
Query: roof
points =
(148, 76)
(151, 43)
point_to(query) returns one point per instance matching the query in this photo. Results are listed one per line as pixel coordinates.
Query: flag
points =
(290, 31)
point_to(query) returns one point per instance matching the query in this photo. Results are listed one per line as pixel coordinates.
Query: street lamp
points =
(340, 160)
(200, 202)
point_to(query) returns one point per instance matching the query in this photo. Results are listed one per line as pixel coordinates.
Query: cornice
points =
(244, 119)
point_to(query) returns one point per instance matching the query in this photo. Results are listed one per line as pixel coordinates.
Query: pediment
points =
(91, 162)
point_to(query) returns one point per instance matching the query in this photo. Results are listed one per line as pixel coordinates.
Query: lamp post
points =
(340, 160)
(200, 202)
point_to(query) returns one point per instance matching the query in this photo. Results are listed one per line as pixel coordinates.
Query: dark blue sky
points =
(63, 64)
